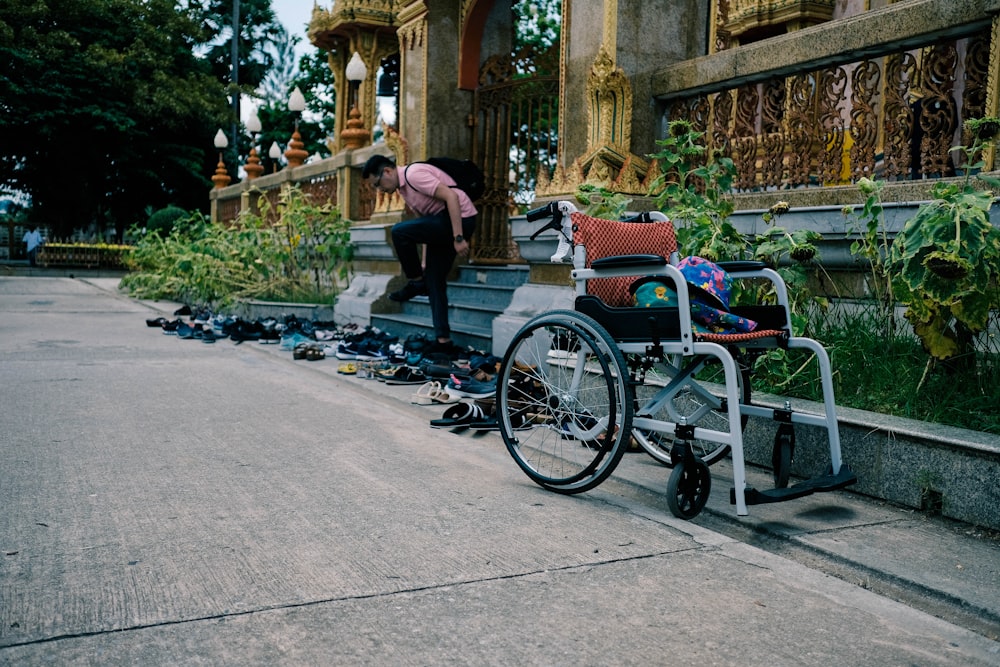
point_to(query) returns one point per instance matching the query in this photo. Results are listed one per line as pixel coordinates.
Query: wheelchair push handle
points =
(559, 220)
(546, 211)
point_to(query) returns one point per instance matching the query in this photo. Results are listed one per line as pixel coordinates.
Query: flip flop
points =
(347, 369)
(426, 393)
(459, 415)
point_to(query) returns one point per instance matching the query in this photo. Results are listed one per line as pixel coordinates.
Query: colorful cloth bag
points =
(709, 287)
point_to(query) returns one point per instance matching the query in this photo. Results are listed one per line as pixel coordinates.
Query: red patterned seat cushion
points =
(608, 238)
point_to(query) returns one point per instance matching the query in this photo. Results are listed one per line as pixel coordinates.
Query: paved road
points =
(171, 502)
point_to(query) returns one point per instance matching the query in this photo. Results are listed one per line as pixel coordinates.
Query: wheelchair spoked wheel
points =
(688, 488)
(563, 404)
(697, 402)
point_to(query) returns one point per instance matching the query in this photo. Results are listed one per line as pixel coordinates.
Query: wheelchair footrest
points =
(828, 482)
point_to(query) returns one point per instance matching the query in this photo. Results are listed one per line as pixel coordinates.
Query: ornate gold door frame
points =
(515, 132)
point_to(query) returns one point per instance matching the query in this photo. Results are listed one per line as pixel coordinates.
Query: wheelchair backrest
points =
(609, 238)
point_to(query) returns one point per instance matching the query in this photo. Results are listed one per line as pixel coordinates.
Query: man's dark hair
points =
(375, 165)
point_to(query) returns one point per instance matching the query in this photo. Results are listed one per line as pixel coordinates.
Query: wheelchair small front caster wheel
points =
(781, 456)
(688, 488)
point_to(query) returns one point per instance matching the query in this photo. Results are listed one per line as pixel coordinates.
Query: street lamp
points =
(296, 153)
(274, 152)
(221, 177)
(354, 135)
(253, 167)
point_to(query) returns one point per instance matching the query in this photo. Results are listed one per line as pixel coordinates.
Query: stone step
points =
(477, 296)
(511, 276)
(470, 313)
(403, 325)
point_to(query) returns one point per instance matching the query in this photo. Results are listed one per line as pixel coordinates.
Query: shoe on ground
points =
(471, 388)
(409, 290)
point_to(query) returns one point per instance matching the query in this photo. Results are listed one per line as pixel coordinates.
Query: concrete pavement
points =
(172, 502)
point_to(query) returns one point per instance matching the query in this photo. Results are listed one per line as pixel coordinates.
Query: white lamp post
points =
(296, 153)
(221, 177)
(275, 154)
(354, 135)
(253, 167)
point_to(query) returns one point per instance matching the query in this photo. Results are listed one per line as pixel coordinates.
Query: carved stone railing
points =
(881, 95)
(319, 181)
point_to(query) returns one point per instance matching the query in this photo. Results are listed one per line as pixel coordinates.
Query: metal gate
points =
(515, 134)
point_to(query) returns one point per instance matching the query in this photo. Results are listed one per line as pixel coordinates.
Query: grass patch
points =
(892, 374)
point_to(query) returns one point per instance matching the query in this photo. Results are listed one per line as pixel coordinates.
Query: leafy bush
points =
(303, 257)
(162, 222)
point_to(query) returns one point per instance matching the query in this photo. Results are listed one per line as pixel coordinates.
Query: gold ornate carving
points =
(897, 118)
(772, 135)
(722, 120)
(938, 112)
(330, 28)
(801, 128)
(609, 95)
(993, 85)
(412, 21)
(743, 18)
(832, 84)
(744, 140)
(720, 38)
(977, 70)
(865, 82)
(609, 129)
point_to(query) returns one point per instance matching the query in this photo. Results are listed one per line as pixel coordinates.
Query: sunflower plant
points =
(945, 262)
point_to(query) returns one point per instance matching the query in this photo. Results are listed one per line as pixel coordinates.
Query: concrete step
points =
(477, 296)
(512, 276)
(403, 325)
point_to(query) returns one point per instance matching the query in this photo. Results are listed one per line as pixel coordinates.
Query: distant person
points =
(445, 224)
(33, 241)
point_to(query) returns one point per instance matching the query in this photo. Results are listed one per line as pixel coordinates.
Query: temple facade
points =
(805, 96)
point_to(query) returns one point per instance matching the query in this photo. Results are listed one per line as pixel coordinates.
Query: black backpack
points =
(467, 175)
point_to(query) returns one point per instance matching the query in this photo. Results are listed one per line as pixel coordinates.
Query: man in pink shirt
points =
(445, 223)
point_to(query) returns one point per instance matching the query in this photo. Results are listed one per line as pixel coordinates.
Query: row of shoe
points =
(187, 331)
(309, 351)
(464, 372)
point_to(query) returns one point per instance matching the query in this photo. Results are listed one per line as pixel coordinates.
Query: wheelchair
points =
(577, 388)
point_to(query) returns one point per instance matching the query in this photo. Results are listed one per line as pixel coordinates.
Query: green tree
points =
(108, 107)
(105, 109)
(259, 30)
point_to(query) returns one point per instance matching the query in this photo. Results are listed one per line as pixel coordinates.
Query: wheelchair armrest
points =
(628, 261)
(741, 265)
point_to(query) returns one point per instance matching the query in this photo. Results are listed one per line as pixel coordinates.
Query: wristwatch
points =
(459, 238)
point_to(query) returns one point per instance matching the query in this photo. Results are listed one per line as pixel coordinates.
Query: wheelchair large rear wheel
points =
(563, 404)
(697, 401)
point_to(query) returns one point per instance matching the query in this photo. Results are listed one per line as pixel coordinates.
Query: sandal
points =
(347, 368)
(426, 394)
(445, 397)
(460, 415)
(406, 375)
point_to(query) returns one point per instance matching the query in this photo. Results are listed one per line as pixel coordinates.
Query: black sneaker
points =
(410, 290)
